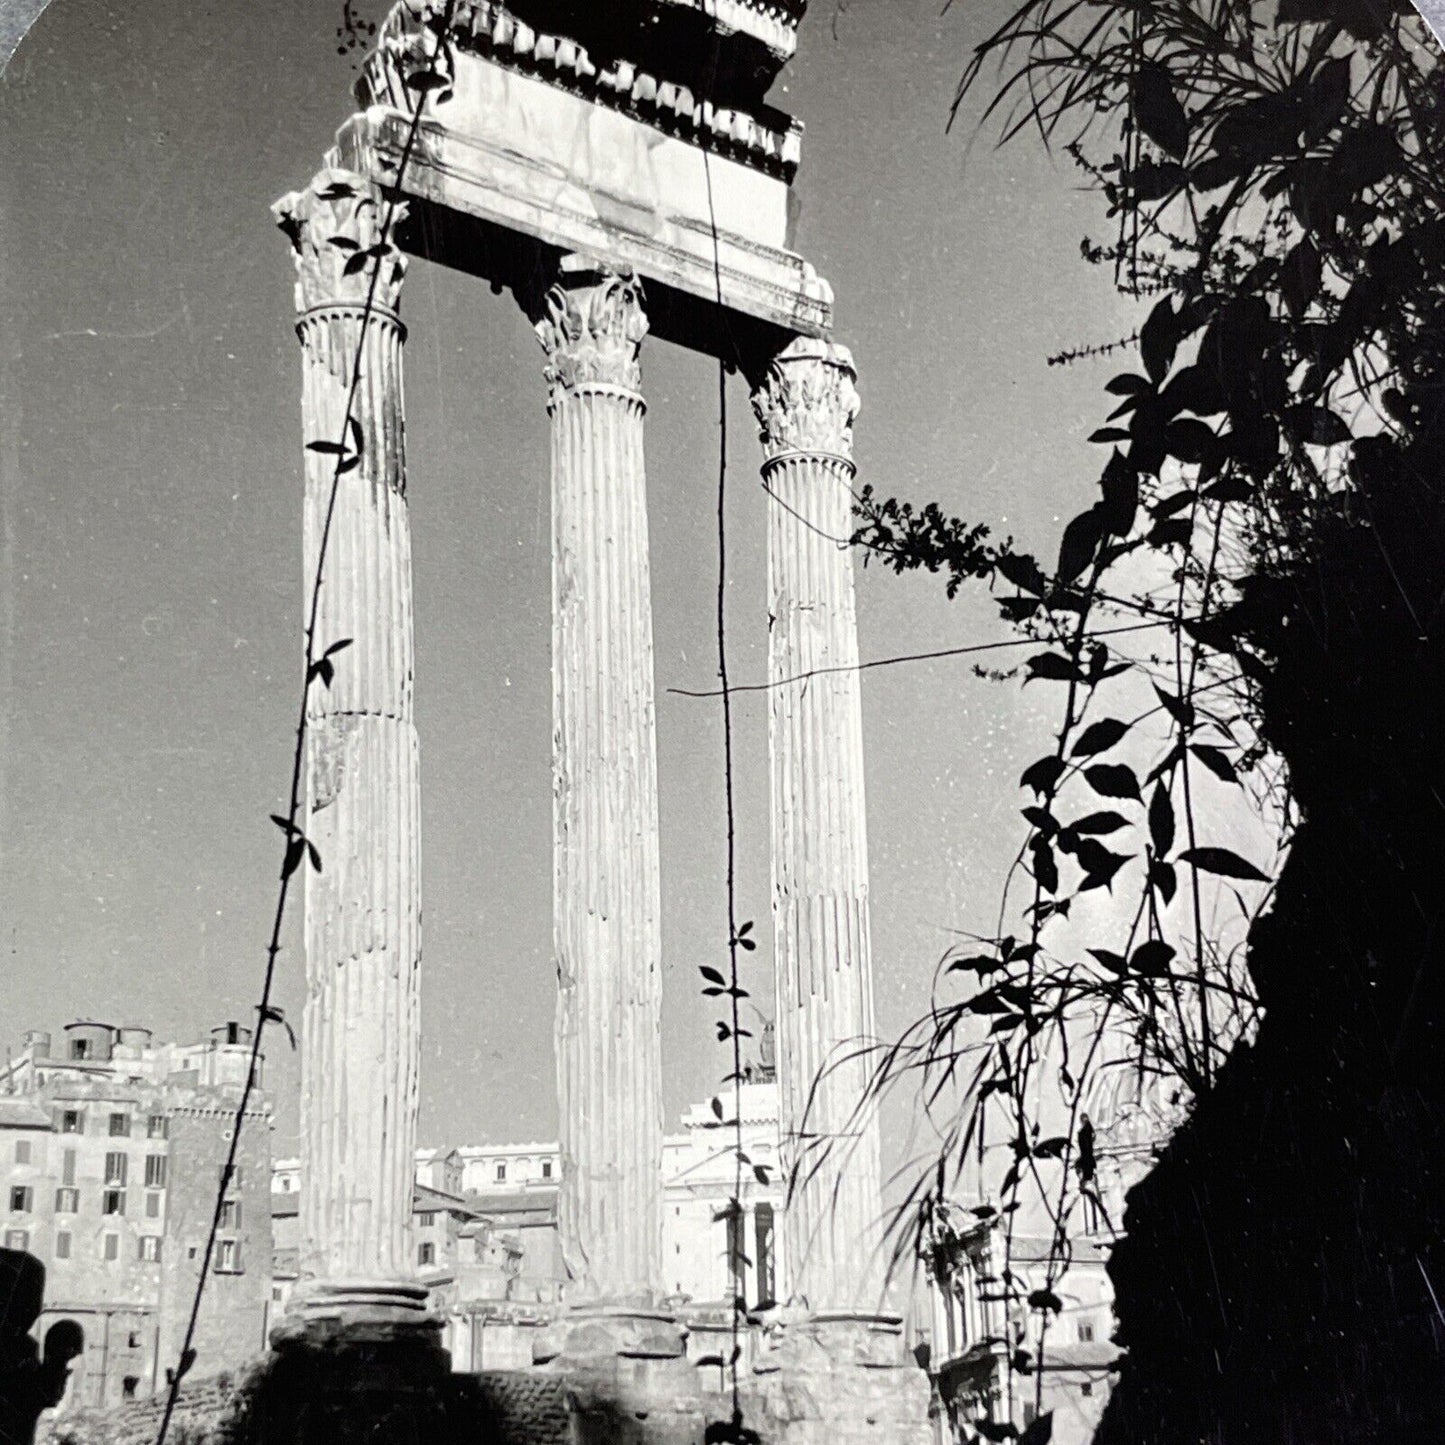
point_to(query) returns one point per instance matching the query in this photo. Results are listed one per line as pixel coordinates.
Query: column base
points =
(325, 1310)
(626, 1375)
(355, 1361)
(836, 1379)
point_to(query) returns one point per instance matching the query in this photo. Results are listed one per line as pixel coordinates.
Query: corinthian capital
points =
(592, 327)
(335, 226)
(808, 400)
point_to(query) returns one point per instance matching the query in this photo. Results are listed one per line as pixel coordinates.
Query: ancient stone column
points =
(606, 904)
(806, 404)
(360, 1037)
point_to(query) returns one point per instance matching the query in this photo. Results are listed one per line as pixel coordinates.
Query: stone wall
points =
(816, 1405)
(203, 1417)
(500, 1407)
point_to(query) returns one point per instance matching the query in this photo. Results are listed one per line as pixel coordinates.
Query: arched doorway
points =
(65, 1344)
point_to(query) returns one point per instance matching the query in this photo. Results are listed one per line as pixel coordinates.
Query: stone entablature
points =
(768, 141)
(527, 147)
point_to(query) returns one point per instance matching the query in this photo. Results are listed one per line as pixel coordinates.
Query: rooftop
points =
(539, 1204)
(17, 1113)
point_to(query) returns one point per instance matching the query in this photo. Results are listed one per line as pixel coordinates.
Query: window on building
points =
(737, 1254)
(155, 1171)
(427, 1219)
(132, 1341)
(21, 1198)
(62, 1244)
(230, 1214)
(72, 1121)
(67, 1167)
(501, 1175)
(111, 1247)
(237, 1179)
(153, 1206)
(1086, 1331)
(150, 1248)
(1086, 1388)
(113, 1201)
(426, 1253)
(763, 1253)
(120, 1126)
(158, 1127)
(17, 1239)
(228, 1257)
(115, 1168)
(22, 1151)
(546, 1169)
(128, 1386)
(67, 1201)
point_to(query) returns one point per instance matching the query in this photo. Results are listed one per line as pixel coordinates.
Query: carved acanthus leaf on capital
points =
(592, 328)
(808, 400)
(336, 231)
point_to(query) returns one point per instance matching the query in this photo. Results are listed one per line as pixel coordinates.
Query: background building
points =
(974, 1333)
(485, 1225)
(111, 1154)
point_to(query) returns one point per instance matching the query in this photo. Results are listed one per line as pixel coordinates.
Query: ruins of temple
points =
(619, 171)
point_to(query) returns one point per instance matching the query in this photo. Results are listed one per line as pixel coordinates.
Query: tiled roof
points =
(539, 1204)
(429, 1200)
(286, 1203)
(20, 1113)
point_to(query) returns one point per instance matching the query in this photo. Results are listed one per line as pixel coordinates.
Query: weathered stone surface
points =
(806, 405)
(841, 1380)
(336, 218)
(360, 1033)
(598, 156)
(606, 900)
(348, 1400)
(627, 1378)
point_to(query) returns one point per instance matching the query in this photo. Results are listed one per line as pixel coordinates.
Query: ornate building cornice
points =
(592, 328)
(489, 29)
(335, 228)
(808, 400)
(773, 23)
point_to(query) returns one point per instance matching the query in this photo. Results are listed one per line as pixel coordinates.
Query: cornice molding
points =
(486, 28)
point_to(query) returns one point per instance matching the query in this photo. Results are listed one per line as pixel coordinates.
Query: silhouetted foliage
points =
(1272, 501)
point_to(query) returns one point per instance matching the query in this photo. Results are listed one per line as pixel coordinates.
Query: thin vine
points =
(320, 664)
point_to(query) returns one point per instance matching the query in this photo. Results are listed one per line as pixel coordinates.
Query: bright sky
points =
(151, 471)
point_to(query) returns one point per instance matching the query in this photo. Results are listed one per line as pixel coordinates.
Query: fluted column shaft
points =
(806, 406)
(607, 929)
(360, 1049)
